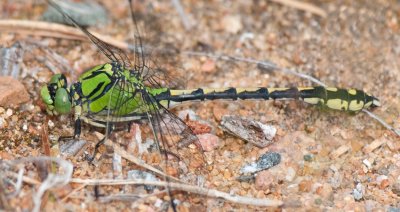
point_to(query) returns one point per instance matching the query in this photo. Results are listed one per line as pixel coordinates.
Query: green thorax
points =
(106, 88)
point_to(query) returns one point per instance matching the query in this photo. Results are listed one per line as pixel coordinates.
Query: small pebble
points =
(24, 127)
(208, 141)
(231, 23)
(264, 180)
(71, 147)
(358, 192)
(142, 175)
(380, 178)
(255, 132)
(393, 209)
(12, 92)
(367, 163)
(2, 122)
(208, 66)
(264, 162)
(305, 185)
(291, 174)
(396, 189)
(308, 157)
(325, 190)
(9, 113)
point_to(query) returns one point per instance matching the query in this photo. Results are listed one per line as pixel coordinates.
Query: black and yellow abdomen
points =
(351, 100)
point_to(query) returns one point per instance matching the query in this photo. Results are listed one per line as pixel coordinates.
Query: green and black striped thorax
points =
(108, 87)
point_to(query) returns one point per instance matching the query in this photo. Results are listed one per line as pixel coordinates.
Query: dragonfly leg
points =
(101, 142)
(77, 132)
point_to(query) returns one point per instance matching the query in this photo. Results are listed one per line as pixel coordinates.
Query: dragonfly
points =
(123, 91)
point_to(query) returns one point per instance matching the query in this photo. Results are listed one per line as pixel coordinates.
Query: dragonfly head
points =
(56, 95)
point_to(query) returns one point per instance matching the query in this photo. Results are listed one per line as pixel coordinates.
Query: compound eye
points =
(62, 103)
(46, 96)
(59, 79)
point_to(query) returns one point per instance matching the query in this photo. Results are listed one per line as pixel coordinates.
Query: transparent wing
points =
(113, 53)
(174, 137)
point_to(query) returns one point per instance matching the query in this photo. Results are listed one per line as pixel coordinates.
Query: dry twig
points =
(46, 29)
(188, 188)
(303, 6)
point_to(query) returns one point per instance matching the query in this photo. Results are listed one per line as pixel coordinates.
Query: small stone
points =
(232, 23)
(380, 178)
(325, 190)
(358, 192)
(257, 133)
(208, 141)
(227, 174)
(50, 124)
(12, 92)
(396, 189)
(71, 147)
(245, 185)
(367, 164)
(2, 122)
(291, 174)
(9, 113)
(393, 209)
(25, 127)
(382, 181)
(208, 66)
(264, 162)
(308, 157)
(384, 184)
(305, 185)
(264, 180)
(142, 175)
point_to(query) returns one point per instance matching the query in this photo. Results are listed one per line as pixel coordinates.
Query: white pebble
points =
(50, 124)
(358, 192)
(9, 113)
(367, 163)
(291, 174)
(380, 178)
(2, 122)
(25, 127)
(269, 131)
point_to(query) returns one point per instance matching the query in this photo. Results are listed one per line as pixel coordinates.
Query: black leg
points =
(101, 142)
(77, 130)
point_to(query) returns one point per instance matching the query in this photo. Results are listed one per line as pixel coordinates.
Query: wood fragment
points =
(303, 6)
(340, 151)
(375, 144)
